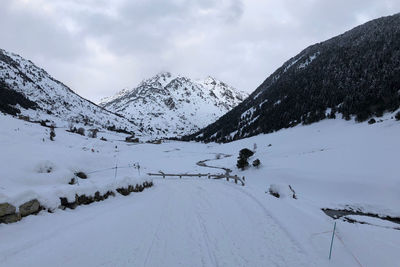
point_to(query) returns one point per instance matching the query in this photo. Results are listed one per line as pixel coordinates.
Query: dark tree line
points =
(354, 74)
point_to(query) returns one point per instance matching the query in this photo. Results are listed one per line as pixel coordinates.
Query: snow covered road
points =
(188, 222)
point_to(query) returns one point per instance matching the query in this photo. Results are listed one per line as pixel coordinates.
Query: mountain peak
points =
(54, 100)
(171, 105)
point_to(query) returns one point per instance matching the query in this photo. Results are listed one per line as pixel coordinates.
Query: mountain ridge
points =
(54, 101)
(355, 74)
(167, 105)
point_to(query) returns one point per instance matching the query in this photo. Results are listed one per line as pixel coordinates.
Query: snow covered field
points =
(201, 222)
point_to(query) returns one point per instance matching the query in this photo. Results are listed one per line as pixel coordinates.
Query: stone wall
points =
(9, 214)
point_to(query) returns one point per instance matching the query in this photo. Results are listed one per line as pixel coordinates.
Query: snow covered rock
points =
(6, 209)
(167, 105)
(11, 218)
(29, 207)
(281, 191)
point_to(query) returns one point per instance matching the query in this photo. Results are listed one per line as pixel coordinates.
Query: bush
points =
(397, 116)
(103, 139)
(81, 131)
(246, 153)
(93, 133)
(256, 163)
(52, 133)
(242, 163)
(371, 121)
(81, 175)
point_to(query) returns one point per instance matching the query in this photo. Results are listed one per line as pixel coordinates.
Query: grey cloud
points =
(115, 44)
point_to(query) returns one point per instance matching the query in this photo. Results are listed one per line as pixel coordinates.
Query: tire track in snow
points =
(156, 233)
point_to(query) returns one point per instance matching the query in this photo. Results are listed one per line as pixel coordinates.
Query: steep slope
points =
(167, 105)
(30, 91)
(356, 73)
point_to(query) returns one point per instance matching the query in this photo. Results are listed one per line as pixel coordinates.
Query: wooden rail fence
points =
(208, 175)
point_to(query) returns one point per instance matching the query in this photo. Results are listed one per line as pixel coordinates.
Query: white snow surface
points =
(167, 105)
(202, 222)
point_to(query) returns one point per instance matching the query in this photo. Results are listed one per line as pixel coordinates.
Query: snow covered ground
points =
(201, 222)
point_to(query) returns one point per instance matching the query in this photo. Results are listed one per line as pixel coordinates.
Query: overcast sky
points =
(99, 47)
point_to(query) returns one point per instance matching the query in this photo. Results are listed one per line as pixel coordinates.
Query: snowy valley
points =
(195, 221)
(184, 172)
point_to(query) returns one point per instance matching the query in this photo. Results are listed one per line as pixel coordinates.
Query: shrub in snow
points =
(371, 121)
(397, 116)
(242, 163)
(103, 139)
(81, 131)
(131, 139)
(256, 163)
(81, 175)
(281, 191)
(52, 133)
(93, 133)
(245, 153)
(45, 167)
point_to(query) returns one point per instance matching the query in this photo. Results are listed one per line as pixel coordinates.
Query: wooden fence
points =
(208, 175)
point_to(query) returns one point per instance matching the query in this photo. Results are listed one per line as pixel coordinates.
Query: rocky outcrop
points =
(11, 218)
(30, 207)
(6, 209)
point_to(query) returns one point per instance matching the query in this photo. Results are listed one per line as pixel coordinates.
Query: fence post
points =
(116, 168)
(333, 235)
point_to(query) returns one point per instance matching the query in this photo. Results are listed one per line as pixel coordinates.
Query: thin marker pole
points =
(333, 235)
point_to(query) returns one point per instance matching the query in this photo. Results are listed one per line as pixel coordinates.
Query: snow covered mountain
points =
(167, 105)
(28, 90)
(353, 75)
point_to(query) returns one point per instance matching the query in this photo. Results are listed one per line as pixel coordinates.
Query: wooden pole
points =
(333, 235)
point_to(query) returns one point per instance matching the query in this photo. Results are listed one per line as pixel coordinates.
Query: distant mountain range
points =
(30, 91)
(162, 106)
(167, 105)
(354, 75)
